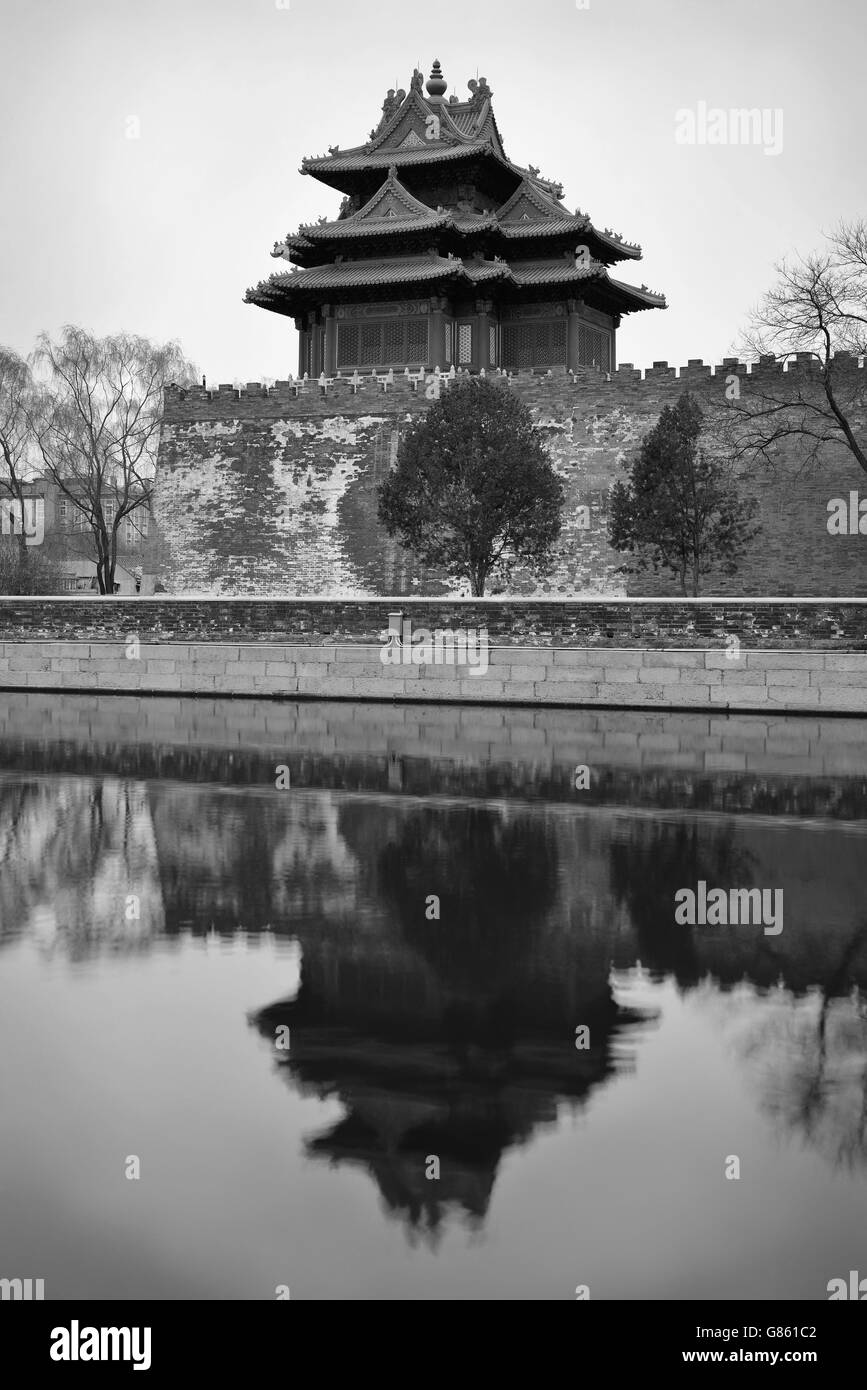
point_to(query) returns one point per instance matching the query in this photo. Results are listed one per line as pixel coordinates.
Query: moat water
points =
(248, 990)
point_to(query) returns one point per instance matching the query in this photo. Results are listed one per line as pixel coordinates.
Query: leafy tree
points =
(473, 487)
(680, 508)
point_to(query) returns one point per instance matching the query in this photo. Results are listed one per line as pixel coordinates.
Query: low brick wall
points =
(802, 624)
(626, 677)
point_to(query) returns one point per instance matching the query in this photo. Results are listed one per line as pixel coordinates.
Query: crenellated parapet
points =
(555, 388)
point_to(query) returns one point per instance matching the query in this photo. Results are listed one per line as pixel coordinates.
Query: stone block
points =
(855, 679)
(658, 675)
(788, 661)
(794, 697)
(751, 696)
(562, 675)
(611, 657)
(567, 692)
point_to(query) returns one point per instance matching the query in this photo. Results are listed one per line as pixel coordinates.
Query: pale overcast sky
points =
(161, 235)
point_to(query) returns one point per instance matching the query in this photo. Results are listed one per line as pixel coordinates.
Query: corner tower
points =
(446, 253)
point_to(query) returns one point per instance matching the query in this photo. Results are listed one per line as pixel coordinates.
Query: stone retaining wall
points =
(765, 680)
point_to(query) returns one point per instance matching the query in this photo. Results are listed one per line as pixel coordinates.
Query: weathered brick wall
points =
(667, 623)
(274, 491)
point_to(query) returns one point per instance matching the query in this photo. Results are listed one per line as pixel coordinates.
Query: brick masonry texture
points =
(756, 680)
(666, 623)
(274, 491)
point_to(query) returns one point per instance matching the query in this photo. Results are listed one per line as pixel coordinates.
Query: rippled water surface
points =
(247, 988)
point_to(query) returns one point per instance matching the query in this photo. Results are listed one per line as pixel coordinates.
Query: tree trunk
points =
(20, 584)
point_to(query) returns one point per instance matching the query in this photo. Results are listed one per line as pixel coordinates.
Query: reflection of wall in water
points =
(309, 864)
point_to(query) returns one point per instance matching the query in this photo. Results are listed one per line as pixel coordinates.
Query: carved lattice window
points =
(543, 343)
(416, 343)
(518, 341)
(347, 345)
(369, 351)
(534, 344)
(492, 346)
(594, 348)
(465, 344)
(394, 343)
(393, 335)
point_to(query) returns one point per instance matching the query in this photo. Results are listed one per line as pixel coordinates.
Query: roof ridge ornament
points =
(393, 102)
(436, 84)
(480, 91)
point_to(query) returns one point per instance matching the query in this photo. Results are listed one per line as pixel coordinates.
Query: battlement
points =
(383, 390)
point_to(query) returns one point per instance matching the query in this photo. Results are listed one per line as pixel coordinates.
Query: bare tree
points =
(16, 390)
(95, 422)
(818, 307)
(813, 1060)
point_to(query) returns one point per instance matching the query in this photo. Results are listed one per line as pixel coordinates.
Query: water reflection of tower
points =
(454, 1037)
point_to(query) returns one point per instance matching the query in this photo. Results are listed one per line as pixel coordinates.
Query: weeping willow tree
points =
(94, 419)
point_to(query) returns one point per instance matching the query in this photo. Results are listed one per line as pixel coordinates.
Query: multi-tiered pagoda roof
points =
(478, 258)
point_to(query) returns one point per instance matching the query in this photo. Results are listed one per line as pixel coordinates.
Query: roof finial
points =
(436, 83)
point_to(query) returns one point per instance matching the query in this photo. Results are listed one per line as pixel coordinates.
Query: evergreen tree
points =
(473, 487)
(680, 508)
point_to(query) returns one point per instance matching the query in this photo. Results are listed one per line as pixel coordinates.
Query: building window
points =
(393, 343)
(68, 586)
(594, 348)
(539, 344)
(492, 345)
(369, 352)
(449, 332)
(465, 344)
(63, 510)
(109, 511)
(80, 520)
(347, 345)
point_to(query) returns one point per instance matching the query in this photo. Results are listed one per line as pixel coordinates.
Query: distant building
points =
(67, 538)
(446, 253)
